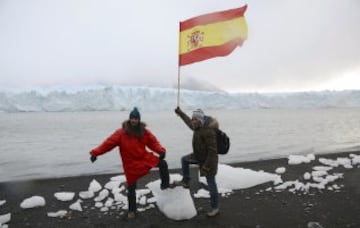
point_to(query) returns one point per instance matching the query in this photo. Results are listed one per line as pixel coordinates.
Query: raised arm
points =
(184, 117)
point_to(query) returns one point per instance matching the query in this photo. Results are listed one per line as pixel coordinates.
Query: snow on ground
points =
(113, 195)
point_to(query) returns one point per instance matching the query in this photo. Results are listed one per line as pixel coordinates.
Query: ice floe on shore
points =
(320, 177)
(111, 197)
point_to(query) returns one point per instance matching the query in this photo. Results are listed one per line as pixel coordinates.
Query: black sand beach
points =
(252, 207)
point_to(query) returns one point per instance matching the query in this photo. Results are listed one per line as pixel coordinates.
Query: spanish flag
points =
(211, 35)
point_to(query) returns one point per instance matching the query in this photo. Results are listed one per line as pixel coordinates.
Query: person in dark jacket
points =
(204, 153)
(132, 140)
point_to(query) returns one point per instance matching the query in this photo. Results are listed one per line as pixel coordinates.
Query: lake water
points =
(53, 144)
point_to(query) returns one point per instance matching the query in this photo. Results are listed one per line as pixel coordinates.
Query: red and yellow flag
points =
(211, 35)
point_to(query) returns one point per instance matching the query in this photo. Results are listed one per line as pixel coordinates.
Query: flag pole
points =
(178, 93)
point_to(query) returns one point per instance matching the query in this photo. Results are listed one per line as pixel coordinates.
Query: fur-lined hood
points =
(211, 122)
(134, 131)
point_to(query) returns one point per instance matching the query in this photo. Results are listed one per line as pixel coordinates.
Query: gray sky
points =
(292, 45)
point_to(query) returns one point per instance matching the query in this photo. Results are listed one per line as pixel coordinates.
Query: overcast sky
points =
(292, 45)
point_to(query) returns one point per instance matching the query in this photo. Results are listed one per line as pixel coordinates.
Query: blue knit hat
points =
(135, 114)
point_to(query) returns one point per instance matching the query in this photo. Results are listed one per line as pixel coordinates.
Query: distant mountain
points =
(101, 98)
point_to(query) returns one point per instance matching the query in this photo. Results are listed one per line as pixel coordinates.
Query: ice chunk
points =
(86, 194)
(5, 218)
(2, 202)
(307, 176)
(102, 195)
(202, 193)
(232, 178)
(76, 206)
(346, 162)
(109, 202)
(142, 200)
(58, 214)
(120, 178)
(34, 201)
(94, 186)
(355, 159)
(64, 196)
(120, 198)
(322, 168)
(328, 162)
(298, 159)
(280, 170)
(99, 204)
(141, 192)
(318, 173)
(112, 184)
(175, 203)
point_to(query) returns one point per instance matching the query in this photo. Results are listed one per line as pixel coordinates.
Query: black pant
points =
(164, 176)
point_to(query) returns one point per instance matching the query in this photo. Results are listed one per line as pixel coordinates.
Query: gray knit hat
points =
(199, 114)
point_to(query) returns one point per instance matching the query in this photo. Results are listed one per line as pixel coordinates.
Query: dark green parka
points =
(204, 144)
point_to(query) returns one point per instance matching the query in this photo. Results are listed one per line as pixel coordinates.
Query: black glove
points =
(162, 156)
(178, 110)
(93, 158)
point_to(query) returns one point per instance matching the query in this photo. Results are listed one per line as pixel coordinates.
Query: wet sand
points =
(252, 207)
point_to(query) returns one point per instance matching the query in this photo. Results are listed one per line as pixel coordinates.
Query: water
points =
(39, 145)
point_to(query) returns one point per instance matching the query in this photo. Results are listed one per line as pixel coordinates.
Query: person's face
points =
(196, 123)
(134, 122)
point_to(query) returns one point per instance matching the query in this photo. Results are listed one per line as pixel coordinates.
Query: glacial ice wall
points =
(101, 98)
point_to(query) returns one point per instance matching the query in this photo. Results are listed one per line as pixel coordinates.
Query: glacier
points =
(112, 98)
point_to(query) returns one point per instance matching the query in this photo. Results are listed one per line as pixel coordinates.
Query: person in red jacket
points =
(133, 139)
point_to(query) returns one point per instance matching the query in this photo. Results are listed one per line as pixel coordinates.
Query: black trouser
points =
(164, 173)
(164, 176)
(132, 197)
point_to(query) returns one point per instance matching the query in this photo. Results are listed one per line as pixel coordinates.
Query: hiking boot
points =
(131, 215)
(181, 183)
(164, 186)
(213, 212)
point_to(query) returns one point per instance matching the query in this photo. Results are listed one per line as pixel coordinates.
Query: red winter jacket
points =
(137, 161)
